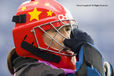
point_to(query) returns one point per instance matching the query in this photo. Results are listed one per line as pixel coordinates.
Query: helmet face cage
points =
(71, 23)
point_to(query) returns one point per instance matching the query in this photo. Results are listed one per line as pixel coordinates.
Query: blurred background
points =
(97, 21)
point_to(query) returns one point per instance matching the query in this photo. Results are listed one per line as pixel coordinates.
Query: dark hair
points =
(11, 56)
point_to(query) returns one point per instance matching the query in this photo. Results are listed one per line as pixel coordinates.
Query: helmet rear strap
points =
(19, 19)
(40, 53)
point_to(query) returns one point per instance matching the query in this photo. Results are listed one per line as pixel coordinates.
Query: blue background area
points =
(96, 21)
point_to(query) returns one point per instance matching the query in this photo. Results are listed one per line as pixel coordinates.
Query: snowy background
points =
(97, 21)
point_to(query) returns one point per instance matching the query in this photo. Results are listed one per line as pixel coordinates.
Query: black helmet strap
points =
(40, 53)
(19, 19)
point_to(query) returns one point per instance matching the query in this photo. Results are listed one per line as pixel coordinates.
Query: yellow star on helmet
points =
(34, 14)
(23, 8)
(49, 13)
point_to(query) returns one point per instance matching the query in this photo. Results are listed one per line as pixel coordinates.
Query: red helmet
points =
(33, 18)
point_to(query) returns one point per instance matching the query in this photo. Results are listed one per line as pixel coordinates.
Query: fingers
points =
(73, 44)
(68, 42)
(82, 36)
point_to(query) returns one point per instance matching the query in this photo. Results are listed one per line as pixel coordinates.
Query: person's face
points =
(66, 30)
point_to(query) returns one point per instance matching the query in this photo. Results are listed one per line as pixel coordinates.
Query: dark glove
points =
(78, 38)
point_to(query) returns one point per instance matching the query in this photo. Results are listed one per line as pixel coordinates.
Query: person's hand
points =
(77, 38)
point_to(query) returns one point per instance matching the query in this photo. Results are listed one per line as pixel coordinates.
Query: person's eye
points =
(68, 29)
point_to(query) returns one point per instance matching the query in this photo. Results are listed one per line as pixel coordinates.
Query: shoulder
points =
(38, 69)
